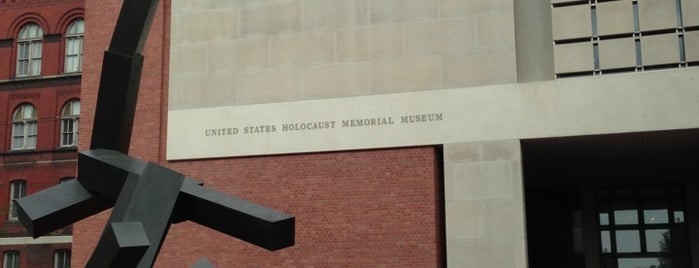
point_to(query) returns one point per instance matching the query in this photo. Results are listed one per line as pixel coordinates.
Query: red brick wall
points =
(353, 209)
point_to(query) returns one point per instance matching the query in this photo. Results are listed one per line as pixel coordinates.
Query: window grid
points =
(637, 34)
(18, 189)
(10, 259)
(24, 128)
(74, 47)
(70, 124)
(637, 227)
(61, 258)
(29, 51)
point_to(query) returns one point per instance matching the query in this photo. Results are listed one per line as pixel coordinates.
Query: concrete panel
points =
(617, 53)
(690, 9)
(571, 22)
(276, 17)
(477, 69)
(504, 218)
(533, 34)
(660, 49)
(409, 74)
(189, 59)
(239, 55)
(465, 219)
(206, 26)
(483, 180)
(441, 36)
(496, 31)
(491, 253)
(467, 8)
(657, 14)
(374, 42)
(336, 80)
(388, 11)
(303, 49)
(615, 17)
(269, 86)
(691, 45)
(573, 57)
(323, 14)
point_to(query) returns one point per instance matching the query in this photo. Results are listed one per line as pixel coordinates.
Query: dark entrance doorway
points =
(613, 201)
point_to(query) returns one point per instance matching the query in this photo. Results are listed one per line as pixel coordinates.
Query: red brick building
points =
(40, 73)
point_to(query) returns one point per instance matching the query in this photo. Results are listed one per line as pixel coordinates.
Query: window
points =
(74, 46)
(29, 51)
(10, 259)
(18, 189)
(61, 258)
(642, 227)
(24, 128)
(70, 121)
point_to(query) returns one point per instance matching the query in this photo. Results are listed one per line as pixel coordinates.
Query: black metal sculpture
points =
(147, 198)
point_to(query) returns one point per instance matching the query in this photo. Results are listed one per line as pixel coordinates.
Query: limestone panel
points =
(336, 80)
(481, 68)
(657, 14)
(440, 36)
(374, 42)
(239, 55)
(483, 180)
(467, 8)
(387, 11)
(690, 13)
(408, 74)
(573, 57)
(276, 17)
(501, 150)
(465, 219)
(189, 59)
(323, 14)
(571, 22)
(303, 49)
(464, 152)
(617, 53)
(269, 86)
(491, 253)
(504, 218)
(660, 49)
(185, 91)
(207, 26)
(614, 17)
(496, 31)
(691, 45)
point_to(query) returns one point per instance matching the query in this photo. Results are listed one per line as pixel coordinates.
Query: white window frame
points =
(29, 50)
(74, 47)
(10, 259)
(24, 128)
(18, 189)
(61, 258)
(70, 124)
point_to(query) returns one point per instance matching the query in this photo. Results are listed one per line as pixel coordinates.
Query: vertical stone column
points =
(485, 224)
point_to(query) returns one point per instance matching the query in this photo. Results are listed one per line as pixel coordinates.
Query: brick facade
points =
(353, 209)
(48, 163)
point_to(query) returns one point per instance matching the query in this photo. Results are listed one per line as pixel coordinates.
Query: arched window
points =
(18, 188)
(24, 128)
(61, 258)
(29, 50)
(70, 122)
(74, 46)
(10, 259)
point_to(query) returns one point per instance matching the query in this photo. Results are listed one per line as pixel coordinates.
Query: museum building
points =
(40, 73)
(435, 133)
